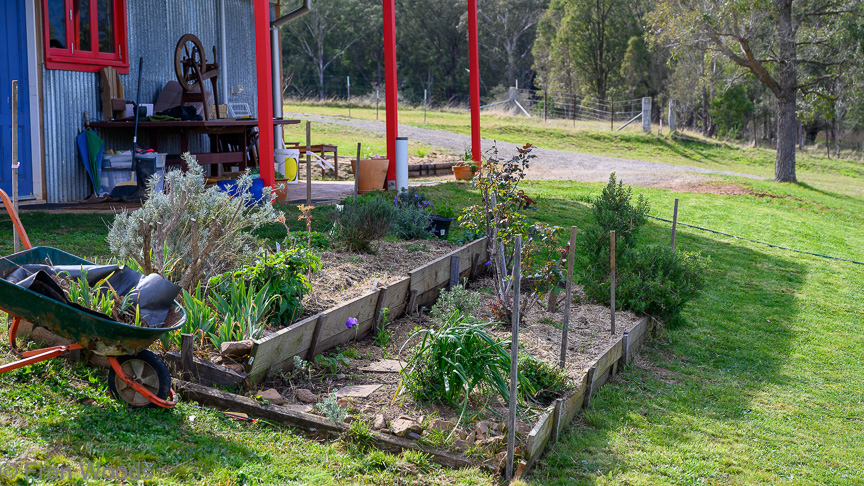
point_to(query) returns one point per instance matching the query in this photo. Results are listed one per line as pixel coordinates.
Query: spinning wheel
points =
(191, 68)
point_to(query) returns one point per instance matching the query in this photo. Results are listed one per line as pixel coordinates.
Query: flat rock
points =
(361, 391)
(298, 408)
(380, 422)
(401, 426)
(272, 396)
(235, 367)
(385, 366)
(305, 396)
(442, 426)
(461, 445)
(343, 402)
(236, 348)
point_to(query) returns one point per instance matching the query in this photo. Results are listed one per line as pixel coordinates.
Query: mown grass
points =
(840, 175)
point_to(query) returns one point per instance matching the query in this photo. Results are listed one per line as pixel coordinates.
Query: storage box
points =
(110, 177)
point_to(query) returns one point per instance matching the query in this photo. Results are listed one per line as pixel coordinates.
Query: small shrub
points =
(450, 364)
(331, 409)
(382, 336)
(283, 274)
(332, 364)
(458, 300)
(412, 215)
(301, 238)
(362, 221)
(550, 382)
(302, 369)
(189, 232)
(651, 279)
(360, 434)
(410, 198)
(200, 317)
(243, 309)
(657, 280)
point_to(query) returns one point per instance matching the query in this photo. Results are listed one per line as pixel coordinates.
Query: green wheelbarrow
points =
(137, 376)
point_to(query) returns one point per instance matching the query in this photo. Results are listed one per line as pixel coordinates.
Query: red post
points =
(265, 92)
(474, 74)
(390, 87)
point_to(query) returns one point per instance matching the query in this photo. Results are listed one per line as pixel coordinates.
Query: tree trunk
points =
(787, 127)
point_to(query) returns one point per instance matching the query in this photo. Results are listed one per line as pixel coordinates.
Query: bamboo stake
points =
(568, 297)
(514, 349)
(674, 222)
(612, 286)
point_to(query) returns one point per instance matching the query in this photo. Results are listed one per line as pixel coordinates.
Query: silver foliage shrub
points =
(189, 232)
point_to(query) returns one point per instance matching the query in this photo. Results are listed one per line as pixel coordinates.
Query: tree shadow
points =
(734, 343)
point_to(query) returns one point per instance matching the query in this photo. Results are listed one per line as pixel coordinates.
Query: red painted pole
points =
(390, 87)
(265, 92)
(474, 74)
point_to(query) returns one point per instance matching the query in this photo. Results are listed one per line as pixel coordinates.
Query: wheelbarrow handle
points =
(10, 208)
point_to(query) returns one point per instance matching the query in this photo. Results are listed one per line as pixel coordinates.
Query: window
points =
(85, 35)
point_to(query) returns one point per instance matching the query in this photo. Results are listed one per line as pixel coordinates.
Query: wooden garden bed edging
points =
(306, 421)
(556, 418)
(323, 331)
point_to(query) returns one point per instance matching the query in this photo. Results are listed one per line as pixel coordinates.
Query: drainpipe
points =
(276, 58)
(223, 66)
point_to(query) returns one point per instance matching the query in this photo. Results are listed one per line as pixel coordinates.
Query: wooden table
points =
(320, 148)
(230, 140)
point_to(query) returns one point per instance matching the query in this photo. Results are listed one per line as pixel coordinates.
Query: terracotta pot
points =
(463, 172)
(372, 176)
(281, 190)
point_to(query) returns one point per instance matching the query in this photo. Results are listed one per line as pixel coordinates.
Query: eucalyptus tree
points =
(770, 39)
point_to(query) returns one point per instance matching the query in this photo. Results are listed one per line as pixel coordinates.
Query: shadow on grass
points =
(694, 381)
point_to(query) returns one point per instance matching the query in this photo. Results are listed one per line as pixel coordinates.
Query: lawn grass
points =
(844, 175)
(760, 383)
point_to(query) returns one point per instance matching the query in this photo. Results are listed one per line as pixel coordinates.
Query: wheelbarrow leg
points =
(31, 357)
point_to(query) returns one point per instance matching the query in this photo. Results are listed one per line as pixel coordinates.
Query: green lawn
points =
(760, 385)
(844, 176)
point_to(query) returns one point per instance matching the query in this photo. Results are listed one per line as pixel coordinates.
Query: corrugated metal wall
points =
(154, 28)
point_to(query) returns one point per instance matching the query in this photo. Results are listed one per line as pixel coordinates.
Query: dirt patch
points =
(346, 275)
(721, 189)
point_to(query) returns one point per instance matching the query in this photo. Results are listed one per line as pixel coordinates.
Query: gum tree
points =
(774, 40)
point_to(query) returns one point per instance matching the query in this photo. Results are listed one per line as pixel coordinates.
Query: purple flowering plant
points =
(351, 322)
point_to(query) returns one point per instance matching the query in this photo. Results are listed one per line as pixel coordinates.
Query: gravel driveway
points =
(549, 164)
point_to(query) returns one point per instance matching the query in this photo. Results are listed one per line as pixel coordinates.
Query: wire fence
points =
(569, 106)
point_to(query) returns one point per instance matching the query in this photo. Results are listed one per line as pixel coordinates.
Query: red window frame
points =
(73, 59)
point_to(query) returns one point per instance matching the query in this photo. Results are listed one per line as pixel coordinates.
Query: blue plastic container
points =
(257, 189)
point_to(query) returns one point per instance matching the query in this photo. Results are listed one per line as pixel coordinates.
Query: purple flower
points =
(488, 262)
(351, 322)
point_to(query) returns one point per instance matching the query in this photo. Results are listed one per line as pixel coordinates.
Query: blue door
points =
(13, 66)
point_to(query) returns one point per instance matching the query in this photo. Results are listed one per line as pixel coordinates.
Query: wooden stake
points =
(556, 419)
(316, 336)
(612, 279)
(186, 356)
(514, 359)
(356, 172)
(16, 242)
(568, 297)
(674, 222)
(454, 272)
(308, 164)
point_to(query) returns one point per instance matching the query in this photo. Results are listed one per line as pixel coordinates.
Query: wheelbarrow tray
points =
(90, 329)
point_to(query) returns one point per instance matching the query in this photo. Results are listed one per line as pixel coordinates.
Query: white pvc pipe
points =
(276, 70)
(401, 163)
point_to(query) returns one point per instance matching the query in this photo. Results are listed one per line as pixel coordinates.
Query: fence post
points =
(309, 163)
(348, 86)
(612, 118)
(673, 122)
(674, 222)
(646, 114)
(574, 110)
(424, 106)
(565, 326)
(545, 102)
(377, 98)
(514, 350)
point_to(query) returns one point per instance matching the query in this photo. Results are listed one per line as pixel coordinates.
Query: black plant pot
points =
(440, 226)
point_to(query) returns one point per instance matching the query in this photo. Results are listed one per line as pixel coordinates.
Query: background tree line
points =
(775, 72)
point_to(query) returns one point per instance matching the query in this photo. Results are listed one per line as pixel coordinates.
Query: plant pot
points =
(440, 226)
(372, 176)
(463, 172)
(281, 190)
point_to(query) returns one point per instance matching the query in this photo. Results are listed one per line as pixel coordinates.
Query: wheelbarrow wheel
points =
(148, 370)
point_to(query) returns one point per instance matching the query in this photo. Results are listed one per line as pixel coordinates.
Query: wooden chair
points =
(319, 149)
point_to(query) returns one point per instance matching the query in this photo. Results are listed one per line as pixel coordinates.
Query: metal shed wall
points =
(154, 27)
